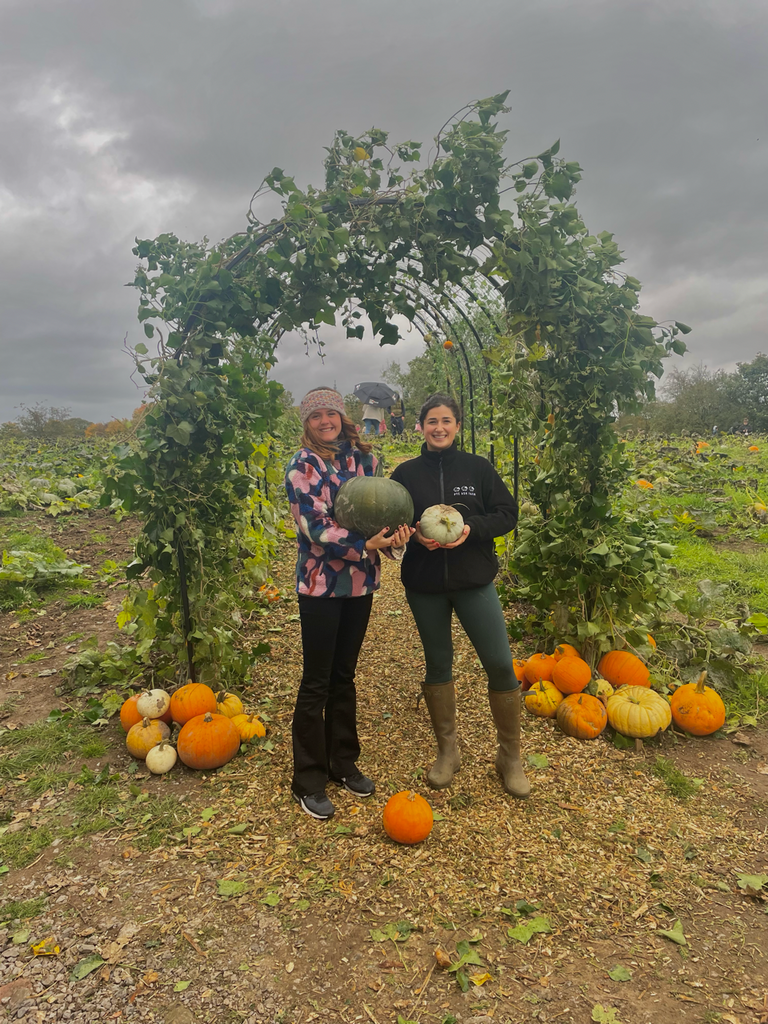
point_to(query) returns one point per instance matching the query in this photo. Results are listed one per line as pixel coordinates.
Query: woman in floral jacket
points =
(337, 572)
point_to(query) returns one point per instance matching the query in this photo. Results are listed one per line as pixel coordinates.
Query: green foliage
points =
(385, 243)
(30, 565)
(677, 782)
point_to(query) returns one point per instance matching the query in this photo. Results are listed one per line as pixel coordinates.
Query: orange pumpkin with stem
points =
(543, 699)
(228, 704)
(192, 700)
(129, 715)
(582, 716)
(144, 735)
(249, 726)
(539, 666)
(622, 668)
(698, 709)
(208, 741)
(565, 651)
(571, 675)
(407, 818)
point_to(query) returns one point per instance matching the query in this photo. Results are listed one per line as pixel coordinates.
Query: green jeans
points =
(480, 614)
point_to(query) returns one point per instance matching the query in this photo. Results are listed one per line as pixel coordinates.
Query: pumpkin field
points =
(631, 887)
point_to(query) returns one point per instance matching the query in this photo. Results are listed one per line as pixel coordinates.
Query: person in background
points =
(397, 416)
(337, 573)
(372, 416)
(442, 579)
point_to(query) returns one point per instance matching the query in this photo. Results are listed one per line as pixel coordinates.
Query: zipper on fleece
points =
(442, 502)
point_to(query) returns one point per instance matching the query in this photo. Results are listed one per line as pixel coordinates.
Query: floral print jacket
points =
(332, 561)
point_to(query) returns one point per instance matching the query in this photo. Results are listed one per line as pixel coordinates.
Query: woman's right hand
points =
(431, 545)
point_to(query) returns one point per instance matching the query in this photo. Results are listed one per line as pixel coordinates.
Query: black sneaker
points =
(316, 805)
(358, 784)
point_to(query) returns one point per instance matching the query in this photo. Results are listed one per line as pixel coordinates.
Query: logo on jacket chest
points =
(464, 489)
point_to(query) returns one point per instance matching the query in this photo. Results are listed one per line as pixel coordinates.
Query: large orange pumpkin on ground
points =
(698, 709)
(407, 818)
(582, 716)
(190, 701)
(208, 741)
(571, 675)
(539, 666)
(622, 668)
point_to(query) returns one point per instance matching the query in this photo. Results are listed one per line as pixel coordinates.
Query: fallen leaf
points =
(480, 979)
(620, 973)
(605, 1014)
(525, 931)
(741, 740)
(46, 947)
(674, 934)
(538, 760)
(181, 986)
(442, 958)
(86, 966)
(21, 936)
(751, 882)
(230, 887)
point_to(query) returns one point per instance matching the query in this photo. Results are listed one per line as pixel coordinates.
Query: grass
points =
(84, 600)
(32, 754)
(17, 849)
(21, 910)
(677, 782)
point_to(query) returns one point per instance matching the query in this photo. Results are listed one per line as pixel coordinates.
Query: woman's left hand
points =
(461, 539)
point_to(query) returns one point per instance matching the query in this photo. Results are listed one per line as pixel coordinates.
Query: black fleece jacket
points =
(469, 482)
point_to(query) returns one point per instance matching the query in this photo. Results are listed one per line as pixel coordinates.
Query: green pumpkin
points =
(366, 504)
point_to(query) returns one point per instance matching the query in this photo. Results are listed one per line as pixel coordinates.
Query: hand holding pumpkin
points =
(399, 538)
(432, 545)
(462, 538)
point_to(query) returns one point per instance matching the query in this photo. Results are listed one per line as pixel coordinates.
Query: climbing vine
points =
(382, 239)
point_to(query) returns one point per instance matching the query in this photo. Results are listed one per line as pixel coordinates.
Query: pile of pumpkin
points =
(561, 686)
(211, 727)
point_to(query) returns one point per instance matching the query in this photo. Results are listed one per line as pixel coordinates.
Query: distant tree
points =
(46, 422)
(415, 384)
(693, 400)
(354, 408)
(748, 390)
(10, 430)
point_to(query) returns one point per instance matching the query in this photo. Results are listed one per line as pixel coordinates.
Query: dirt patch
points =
(250, 911)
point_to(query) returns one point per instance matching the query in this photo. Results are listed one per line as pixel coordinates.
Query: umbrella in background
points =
(374, 393)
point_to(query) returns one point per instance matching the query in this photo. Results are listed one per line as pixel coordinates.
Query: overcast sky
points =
(129, 119)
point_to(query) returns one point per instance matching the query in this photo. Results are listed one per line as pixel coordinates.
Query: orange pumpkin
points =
(208, 741)
(565, 651)
(448, 344)
(622, 668)
(582, 716)
(407, 818)
(249, 727)
(543, 699)
(129, 716)
(539, 666)
(571, 675)
(190, 701)
(144, 735)
(698, 709)
(228, 704)
(518, 665)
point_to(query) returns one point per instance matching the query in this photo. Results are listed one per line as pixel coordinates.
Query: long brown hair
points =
(328, 452)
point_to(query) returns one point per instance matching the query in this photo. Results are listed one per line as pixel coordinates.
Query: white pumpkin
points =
(161, 758)
(442, 523)
(153, 703)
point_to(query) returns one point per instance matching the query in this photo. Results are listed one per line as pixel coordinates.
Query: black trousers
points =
(325, 720)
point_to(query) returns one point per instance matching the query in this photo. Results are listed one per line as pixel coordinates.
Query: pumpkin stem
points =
(207, 717)
(700, 682)
(411, 796)
(145, 723)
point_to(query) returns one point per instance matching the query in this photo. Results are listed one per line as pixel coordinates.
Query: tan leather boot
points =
(505, 708)
(441, 704)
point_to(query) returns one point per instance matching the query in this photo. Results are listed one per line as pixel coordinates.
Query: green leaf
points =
(230, 887)
(141, 348)
(207, 813)
(674, 934)
(238, 830)
(85, 967)
(525, 931)
(620, 973)
(21, 936)
(683, 328)
(755, 882)
(467, 955)
(181, 986)
(605, 1014)
(538, 760)
(271, 899)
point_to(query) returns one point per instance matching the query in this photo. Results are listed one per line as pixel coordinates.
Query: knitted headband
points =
(321, 398)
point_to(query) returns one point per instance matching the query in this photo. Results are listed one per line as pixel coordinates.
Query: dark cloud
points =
(124, 120)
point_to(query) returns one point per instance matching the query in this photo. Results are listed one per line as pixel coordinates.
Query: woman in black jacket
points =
(458, 577)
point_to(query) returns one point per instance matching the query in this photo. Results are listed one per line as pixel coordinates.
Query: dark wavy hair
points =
(437, 399)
